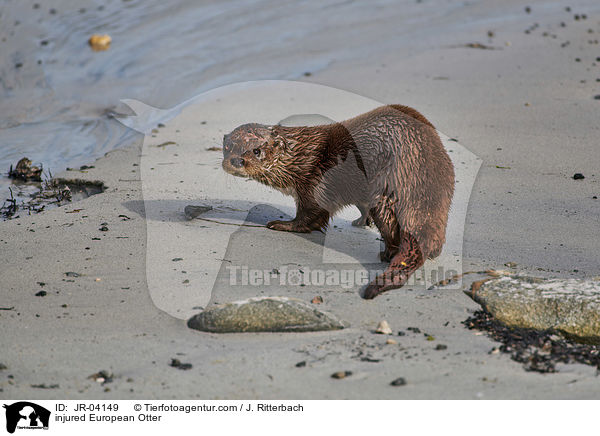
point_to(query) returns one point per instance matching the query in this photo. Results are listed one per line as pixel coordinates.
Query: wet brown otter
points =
(389, 162)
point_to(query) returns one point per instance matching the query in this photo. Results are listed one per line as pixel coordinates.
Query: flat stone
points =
(192, 212)
(571, 306)
(264, 314)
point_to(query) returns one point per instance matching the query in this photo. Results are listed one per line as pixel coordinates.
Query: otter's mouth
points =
(234, 171)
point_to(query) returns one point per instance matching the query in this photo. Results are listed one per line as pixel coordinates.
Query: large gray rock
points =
(264, 314)
(570, 306)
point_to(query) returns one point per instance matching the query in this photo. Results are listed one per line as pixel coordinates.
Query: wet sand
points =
(527, 108)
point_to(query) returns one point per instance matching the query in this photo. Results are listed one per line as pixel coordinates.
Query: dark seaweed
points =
(538, 351)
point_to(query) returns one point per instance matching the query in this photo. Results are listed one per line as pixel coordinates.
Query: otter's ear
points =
(281, 141)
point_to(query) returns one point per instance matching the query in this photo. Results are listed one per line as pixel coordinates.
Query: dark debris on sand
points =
(51, 192)
(9, 207)
(26, 171)
(538, 351)
(176, 363)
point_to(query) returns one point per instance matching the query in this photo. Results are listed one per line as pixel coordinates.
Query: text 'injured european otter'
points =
(389, 162)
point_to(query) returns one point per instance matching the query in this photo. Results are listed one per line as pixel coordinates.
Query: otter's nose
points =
(237, 162)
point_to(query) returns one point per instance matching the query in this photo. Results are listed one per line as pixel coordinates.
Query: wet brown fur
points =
(389, 162)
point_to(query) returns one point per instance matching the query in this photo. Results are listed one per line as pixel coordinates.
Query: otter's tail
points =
(406, 261)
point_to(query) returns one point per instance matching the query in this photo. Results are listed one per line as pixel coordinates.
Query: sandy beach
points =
(513, 86)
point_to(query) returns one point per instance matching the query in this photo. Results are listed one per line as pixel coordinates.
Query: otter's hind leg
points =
(364, 219)
(401, 249)
(384, 218)
(406, 261)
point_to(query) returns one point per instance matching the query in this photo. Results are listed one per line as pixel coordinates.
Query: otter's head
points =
(255, 151)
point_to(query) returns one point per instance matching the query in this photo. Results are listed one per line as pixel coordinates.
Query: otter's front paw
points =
(288, 226)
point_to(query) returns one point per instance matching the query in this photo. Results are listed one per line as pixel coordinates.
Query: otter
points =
(389, 162)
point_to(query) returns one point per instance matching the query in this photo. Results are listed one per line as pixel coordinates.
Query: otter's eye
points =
(256, 152)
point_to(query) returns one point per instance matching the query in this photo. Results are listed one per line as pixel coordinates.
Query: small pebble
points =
(102, 377)
(301, 364)
(391, 342)
(41, 294)
(578, 176)
(383, 328)
(317, 300)
(176, 363)
(100, 42)
(440, 347)
(400, 381)
(341, 374)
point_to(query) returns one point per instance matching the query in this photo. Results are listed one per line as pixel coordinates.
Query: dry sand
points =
(522, 106)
